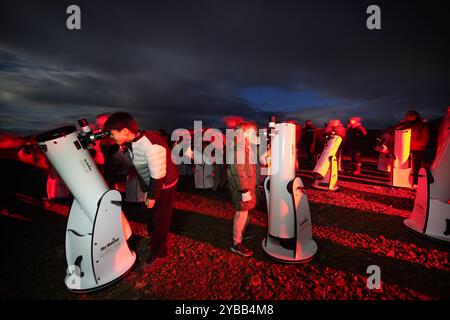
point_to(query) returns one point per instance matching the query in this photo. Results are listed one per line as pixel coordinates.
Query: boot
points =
(358, 169)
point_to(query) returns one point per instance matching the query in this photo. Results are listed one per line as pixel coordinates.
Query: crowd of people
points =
(243, 180)
(355, 140)
(142, 161)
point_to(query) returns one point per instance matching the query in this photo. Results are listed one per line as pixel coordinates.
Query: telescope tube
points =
(75, 166)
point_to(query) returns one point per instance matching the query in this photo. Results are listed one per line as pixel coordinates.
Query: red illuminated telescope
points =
(326, 170)
(97, 253)
(402, 160)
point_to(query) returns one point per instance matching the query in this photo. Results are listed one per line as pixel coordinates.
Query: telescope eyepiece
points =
(272, 119)
(98, 135)
(84, 125)
(88, 137)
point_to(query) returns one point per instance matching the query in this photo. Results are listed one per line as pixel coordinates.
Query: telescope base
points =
(384, 163)
(414, 228)
(97, 252)
(430, 217)
(329, 181)
(401, 178)
(106, 285)
(325, 187)
(434, 225)
(305, 252)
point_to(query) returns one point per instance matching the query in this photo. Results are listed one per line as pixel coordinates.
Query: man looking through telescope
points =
(151, 156)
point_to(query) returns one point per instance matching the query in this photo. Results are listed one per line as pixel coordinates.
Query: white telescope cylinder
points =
(75, 166)
(281, 212)
(402, 145)
(330, 149)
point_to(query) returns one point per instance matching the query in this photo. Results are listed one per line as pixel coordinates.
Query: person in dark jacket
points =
(443, 131)
(419, 139)
(310, 135)
(151, 157)
(355, 140)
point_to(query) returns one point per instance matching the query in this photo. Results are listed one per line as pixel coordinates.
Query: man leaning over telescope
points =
(151, 156)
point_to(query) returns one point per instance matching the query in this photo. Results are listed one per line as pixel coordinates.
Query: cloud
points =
(173, 62)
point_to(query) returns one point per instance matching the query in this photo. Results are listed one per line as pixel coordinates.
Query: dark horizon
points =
(172, 63)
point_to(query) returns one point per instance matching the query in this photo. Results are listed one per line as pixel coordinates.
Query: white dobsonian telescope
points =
(97, 253)
(431, 213)
(289, 233)
(326, 170)
(402, 166)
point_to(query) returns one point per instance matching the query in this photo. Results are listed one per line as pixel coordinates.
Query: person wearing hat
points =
(355, 140)
(310, 134)
(335, 126)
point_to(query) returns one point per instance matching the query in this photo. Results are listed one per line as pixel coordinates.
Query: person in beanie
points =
(242, 181)
(355, 141)
(151, 157)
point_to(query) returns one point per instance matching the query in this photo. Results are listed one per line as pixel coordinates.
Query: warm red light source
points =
(232, 121)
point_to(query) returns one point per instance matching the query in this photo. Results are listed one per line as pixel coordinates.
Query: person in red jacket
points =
(151, 157)
(355, 140)
(310, 136)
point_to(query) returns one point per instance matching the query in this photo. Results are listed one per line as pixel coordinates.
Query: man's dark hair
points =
(120, 120)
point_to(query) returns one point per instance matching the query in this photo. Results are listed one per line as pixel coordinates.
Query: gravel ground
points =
(357, 226)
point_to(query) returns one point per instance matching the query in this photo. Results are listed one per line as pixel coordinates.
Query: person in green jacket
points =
(243, 182)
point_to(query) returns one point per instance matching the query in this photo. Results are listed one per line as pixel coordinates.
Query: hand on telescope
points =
(246, 196)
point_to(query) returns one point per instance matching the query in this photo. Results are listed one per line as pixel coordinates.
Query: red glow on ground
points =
(381, 246)
(358, 226)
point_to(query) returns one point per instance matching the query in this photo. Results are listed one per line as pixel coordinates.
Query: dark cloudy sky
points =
(172, 62)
